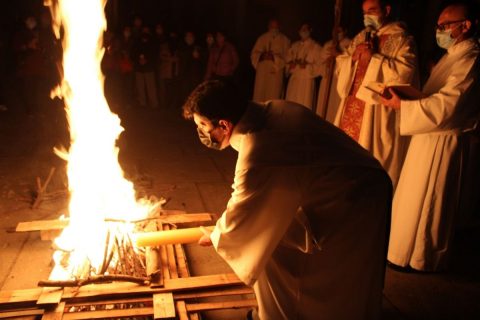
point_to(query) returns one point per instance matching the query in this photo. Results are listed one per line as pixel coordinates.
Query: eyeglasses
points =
(444, 26)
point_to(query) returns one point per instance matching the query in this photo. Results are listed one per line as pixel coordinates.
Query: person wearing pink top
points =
(222, 60)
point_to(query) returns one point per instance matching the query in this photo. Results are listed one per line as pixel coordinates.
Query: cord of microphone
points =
(368, 35)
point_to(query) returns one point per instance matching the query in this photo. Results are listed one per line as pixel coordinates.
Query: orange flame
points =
(98, 189)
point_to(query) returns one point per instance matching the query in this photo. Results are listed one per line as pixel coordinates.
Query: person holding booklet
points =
(382, 52)
(442, 126)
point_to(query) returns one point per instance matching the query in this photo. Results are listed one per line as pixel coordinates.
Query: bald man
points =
(425, 203)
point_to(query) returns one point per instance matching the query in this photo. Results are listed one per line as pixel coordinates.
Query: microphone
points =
(368, 35)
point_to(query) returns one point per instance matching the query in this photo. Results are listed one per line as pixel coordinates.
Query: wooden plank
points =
(213, 293)
(55, 314)
(181, 310)
(20, 297)
(199, 282)
(44, 225)
(183, 271)
(30, 296)
(195, 316)
(20, 313)
(206, 306)
(107, 314)
(50, 296)
(163, 306)
(170, 285)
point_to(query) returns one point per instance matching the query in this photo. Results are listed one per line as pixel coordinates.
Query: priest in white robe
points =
(303, 66)
(307, 221)
(383, 52)
(268, 58)
(328, 110)
(425, 204)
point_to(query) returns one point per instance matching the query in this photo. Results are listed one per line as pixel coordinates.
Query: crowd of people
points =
(145, 66)
(159, 68)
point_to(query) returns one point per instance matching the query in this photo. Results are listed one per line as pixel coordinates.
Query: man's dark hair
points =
(216, 100)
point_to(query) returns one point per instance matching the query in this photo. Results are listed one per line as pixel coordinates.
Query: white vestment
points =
(329, 111)
(426, 200)
(269, 73)
(301, 84)
(307, 221)
(394, 63)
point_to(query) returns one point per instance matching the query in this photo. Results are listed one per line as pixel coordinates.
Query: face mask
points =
(189, 40)
(207, 140)
(370, 20)
(304, 35)
(444, 38)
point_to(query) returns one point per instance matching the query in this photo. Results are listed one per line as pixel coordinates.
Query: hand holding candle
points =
(176, 236)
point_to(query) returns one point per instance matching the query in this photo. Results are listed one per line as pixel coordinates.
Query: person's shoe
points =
(398, 268)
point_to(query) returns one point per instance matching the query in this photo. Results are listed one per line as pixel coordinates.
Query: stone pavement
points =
(162, 146)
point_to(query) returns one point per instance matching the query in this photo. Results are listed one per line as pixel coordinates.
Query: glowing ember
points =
(98, 189)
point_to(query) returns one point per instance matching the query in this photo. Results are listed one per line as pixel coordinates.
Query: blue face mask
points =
(370, 20)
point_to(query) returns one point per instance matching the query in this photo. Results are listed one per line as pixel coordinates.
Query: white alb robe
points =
(298, 178)
(426, 200)
(394, 63)
(269, 74)
(301, 83)
(330, 110)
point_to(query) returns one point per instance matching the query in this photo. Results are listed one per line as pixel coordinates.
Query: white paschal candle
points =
(177, 236)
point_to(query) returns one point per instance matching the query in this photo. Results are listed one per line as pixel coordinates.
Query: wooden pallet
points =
(177, 296)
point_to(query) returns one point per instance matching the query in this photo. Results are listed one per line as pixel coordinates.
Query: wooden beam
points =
(45, 225)
(206, 306)
(21, 313)
(50, 296)
(181, 310)
(163, 306)
(107, 314)
(170, 285)
(214, 293)
(56, 313)
(19, 297)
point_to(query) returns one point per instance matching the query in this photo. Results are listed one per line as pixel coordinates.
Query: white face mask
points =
(444, 38)
(370, 20)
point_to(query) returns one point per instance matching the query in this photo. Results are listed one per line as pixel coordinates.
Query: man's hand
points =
(205, 240)
(393, 102)
(363, 51)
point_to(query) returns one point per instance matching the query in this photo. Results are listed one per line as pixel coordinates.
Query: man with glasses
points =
(382, 53)
(426, 201)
